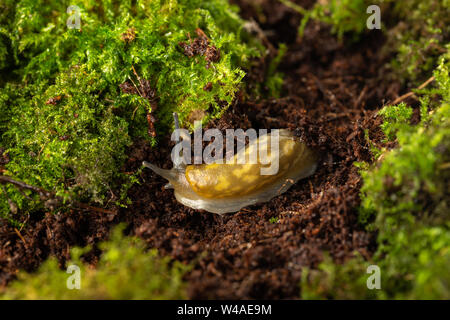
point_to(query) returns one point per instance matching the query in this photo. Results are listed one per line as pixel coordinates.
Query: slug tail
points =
(169, 175)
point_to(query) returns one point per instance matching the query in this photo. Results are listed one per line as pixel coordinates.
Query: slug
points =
(228, 187)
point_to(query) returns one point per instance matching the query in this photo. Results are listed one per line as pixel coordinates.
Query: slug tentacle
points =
(169, 175)
(175, 176)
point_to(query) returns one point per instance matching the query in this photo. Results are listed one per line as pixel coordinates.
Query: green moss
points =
(396, 118)
(417, 31)
(125, 271)
(337, 281)
(274, 79)
(344, 16)
(159, 26)
(74, 146)
(274, 220)
(64, 121)
(405, 199)
(419, 37)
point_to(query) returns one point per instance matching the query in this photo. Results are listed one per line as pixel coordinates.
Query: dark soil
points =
(331, 93)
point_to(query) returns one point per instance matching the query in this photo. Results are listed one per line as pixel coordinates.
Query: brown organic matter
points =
(201, 46)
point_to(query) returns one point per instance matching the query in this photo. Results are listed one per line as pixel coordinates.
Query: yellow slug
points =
(230, 186)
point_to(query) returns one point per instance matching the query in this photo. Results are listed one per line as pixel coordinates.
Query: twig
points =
(201, 33)
(86, 206)
(23, 193)
(409, 94)
(23, 223)
(23, 185)
(134, 84)
(294, 6)
(139, 78)
(252, 25)
(51, 200)
(334, 116)
(21, 237)
(361, 96)
(326, 93)
(139, 91)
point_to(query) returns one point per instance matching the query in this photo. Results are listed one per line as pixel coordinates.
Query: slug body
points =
(228, 187)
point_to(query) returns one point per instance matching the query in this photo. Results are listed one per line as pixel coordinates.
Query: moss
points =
(417, 32)
(125, 271)
(419, 37)
(337, 281)
(66, 123)
(396, 118)
(74, 145)
(274, 79)
(159, 27)
(344, 16)
(274, 220)
(406, 198)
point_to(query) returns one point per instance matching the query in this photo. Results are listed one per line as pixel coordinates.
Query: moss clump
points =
(406, 199)
(76, 144)
(44, 46)
(125, 271)
(337, 281)
(75, 99)
(417, 31)
(419, 36)
(345, 16)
